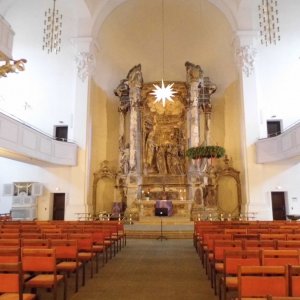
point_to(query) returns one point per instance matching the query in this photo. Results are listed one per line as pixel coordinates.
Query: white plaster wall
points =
(48, 84)
(279, 70)
(54, 180)
(50, 87)
(278, 94)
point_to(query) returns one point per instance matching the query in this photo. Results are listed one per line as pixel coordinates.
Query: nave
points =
(150, 269)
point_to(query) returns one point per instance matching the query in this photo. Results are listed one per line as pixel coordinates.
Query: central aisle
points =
(150, 269)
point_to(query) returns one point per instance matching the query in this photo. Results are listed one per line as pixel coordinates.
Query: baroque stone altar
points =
(153, 140)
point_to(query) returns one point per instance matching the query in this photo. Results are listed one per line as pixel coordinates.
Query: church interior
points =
(134, 114)
(106, 142)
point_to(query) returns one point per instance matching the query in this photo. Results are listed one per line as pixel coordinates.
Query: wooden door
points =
(278, 205)
(58, 206)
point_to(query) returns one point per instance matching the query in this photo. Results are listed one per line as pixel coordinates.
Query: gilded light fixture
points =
(8, 65)
(163, 93)
(269, 22)
(52, 30)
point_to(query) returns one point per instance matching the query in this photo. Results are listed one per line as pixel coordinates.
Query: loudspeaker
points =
(161, 211)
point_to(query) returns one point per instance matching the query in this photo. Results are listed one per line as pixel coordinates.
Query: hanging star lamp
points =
(163, 93)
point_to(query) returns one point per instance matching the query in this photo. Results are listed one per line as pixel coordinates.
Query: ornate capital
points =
(245, 56)
(86, 64)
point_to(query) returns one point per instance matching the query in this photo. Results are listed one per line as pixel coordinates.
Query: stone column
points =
(250, 120)
(135, 82)
(194, 74)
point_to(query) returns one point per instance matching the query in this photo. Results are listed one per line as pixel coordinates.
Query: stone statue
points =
(125, 160)
(193, 72)
(134, 77)
(150, 150)
(198, 199)
(161, 161)
(210, 198)
(122, 91)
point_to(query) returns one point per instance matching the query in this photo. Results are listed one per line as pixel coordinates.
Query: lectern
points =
(161, 212)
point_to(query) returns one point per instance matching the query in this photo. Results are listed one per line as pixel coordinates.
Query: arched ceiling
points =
(130, 32)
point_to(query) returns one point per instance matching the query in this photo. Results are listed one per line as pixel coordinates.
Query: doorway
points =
(273, 128)
(58, 206)
(61, 133)
(278, 205)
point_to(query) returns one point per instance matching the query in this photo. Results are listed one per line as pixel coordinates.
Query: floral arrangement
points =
(205, 151)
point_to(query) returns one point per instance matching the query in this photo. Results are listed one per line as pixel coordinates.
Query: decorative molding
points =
(245, 56)
(86, 64)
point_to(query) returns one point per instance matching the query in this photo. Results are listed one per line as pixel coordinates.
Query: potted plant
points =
(205, 152)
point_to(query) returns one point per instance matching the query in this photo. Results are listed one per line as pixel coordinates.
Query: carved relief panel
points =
(164, 133)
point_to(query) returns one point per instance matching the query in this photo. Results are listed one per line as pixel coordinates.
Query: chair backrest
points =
(280, 257)
(55, 236)
(293, 236)
(288, 244)
(9, 235)
(245, 236)
(9, 243)
(34, 243)
(65, 248)
(272, 236)
(84, 241)
(260, 281)
(11, 279)
(236, 230)
(221, 245)
(210, 238)
(9, 254)
(31, 235)
(294, 280)
(235, 258)
(38, 260)
(260, 244)
(98, 237)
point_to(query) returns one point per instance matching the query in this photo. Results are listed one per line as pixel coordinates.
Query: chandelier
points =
(268, 22)
(163, 93)
(52, 30)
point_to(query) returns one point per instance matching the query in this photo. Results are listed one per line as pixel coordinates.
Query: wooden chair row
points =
(268, 241)
(271, 282)
(36, 269)
(70, 256)
(258, 227)
(233, 259)
(218, 264)
(115, 231)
